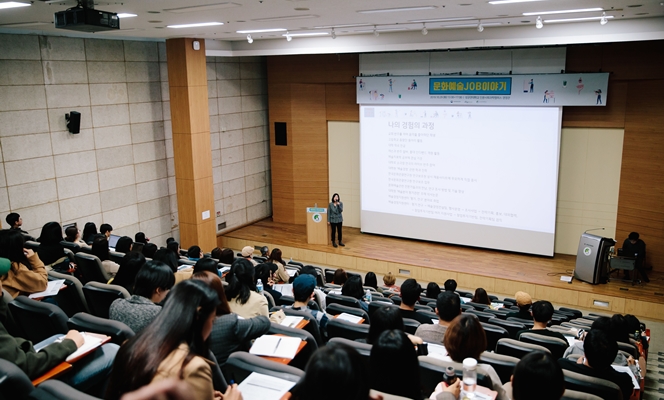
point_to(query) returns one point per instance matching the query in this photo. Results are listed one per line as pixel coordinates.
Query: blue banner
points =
(495, 86)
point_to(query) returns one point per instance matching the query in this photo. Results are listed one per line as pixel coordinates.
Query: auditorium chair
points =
(577, 313)
(432, 305)
(285, 301)
(594, 316)
(555, 345)
(493, 298)
(426, 300)
(270, 300)
(510, 300)
(71, 246)
(90, 268)
(461, 293)
(100, 296)
(376, 304)
(493, 334)
(84, 322)
(574, 325)
(518, 349)
(432, 372)
(422, 307)
(300, 360)
(512, 327)
(576, 395)
(629, 348)
(497, 313)
(429, 314)
(329, 275)
(38, 320)
(582, 321)
(363, 348)
(71, 298)
(32, 245)
(396, 299)
(312, 327)
(482, 316)
(410, 325)
(182, 261)
(478, 306)
(116, 257)
(527, 323)
(299, 264)
(466, 307)
(241, 364)
(383, 299)
(345, 329)
(504, 365)
(343, 300)
(564, 330)
(602, 388)
(336, 309)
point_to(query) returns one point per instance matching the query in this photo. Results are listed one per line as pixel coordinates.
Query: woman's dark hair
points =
(100, 247)
(402, 378)
(167, 257)
(12, 242)
(89, 232)
(633, 324)
(433, 290)
(129, 266)
(275, 255)
(240, 280)
(139, 237)
(263, 272)
(340, 277)
(213, 281)
(181, 320)
(153, 275)
(338, 363)
(332, 199)
(123, 244)
(384, 319)
(371, 280)
(174, 247)
(538, 373)
(137, 247)
(227, 256)
(50, 250)
(194, 252)
(206, 264)
(216, 253)
(353, 287)
(149, 249)
(481, 297)
(465, 338)
(620, 328)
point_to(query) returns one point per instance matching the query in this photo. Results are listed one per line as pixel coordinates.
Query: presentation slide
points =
(476, 176)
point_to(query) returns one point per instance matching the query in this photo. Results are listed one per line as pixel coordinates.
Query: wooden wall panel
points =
(315, 68)
(625, 60)
(281, 157)
(341, 102)
(610, 116)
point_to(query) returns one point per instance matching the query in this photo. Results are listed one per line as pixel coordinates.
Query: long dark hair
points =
(481, 297)
(100, 247)
(393, 348)
(214, 281)
(336, 194)
(89, 232)
(123, 244)
(129, 267)
(353, 287)
(384, 319)
(181, 320)
(153, 275)
(275, 255)
(371, 280)
(12, 242)
(51, 234)
(240, 280)
(167, 257)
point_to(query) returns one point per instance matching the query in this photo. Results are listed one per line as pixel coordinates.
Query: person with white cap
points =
(247, 252)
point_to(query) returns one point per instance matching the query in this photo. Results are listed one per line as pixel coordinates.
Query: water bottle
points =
(450, 376)
(367, 296)
(259, 286)
(469, 377)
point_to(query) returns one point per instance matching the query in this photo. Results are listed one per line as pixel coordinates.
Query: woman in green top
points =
(335, 218)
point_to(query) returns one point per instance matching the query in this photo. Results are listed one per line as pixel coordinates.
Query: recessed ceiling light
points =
(195, 25)
(549, 21)
(578, 10)
(417, 21)
(126, 15)
(13, 4)
(397, 9)
(634, 5)
(305, 34)
(301, 9)
(525, 22)
(261, 30)
(204, 7)
(341, 26)
(641, 13)
(473, 25)
(511, 1)
(285, 18)
(154, 12)
(465, 5)
(155, 22)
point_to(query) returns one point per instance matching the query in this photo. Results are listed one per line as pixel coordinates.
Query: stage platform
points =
(498, 272)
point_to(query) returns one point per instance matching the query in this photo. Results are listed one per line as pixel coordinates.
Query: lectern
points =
(592, 258)
(317, 225)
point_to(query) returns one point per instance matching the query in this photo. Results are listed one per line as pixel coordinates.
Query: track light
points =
(334, 34)
(424, 29)
(480, 28)
(250, 39)
(539, 24)
(288, 36)
(603, 20)
(375, 32)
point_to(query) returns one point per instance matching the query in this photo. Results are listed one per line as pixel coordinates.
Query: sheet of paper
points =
(291, 321)
(571, 340)
(276, 346)
(626, 370)
(52, 288)
(349, 317)
(224, 270)
(434, 321)
(91, 342)
(264, 387)
(291, 272)
(437, 351)
(285, 289)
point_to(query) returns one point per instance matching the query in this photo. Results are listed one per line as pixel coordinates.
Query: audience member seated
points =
(247, 254)
(537, 375)
(175, 248)
(265, 251)
(450, 285)
(635, 247)
(15, 222)
(106, 230)
(354, 288)
(174, 345)
(600, 350)
(389, 282)
(241, 292)
(320, 295)
(153, 282)
(51, 252)
(410, 294)
(129, 267)
(137, 247)
(194, 253)
(87, 372)
(433, 290)
(89, 232)
(371, 281)
(149, 249)
(123, 245)
(216, 253)
(336, 371)
(140, 237)
(402, 375)
(281, 276)
(230, 333)
(169, 258)
(27, 274)
(264, 273)
(100, 249)
(73, 235)
(227, 256)
(523, 301)
(481, 297)
(542, 312)
(207, 264)
(448, 307)
(385, 319)
(340, 277)
(303, 291)
(466, 338)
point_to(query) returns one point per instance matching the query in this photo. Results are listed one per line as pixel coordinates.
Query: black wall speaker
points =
(280, 134)
(73, 121)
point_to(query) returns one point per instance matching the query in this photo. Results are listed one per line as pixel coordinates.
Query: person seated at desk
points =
(402, 378)
(523, 301)
(15, 221)
(542, 312)
(600, 351)
(410, 294)
(635, 247)
(539, 376)
(353, 288)
(27, 274)
(448, 307)
(241, 293)
(303, 291)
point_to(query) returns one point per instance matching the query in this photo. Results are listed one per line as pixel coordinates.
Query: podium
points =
(592, 258)
(317, 225)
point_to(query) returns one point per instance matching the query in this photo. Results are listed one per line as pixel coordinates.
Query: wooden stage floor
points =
(500, 273)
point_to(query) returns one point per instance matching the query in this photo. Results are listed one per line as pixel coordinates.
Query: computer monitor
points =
(112, 241)
(64, 227)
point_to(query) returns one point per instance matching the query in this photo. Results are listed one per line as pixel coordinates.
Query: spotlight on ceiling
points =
(375, 32)
(424, 29)
(288, 36)
(334, 34)
(250, 39)
(539, 24)
(480, 27)
(603, 20)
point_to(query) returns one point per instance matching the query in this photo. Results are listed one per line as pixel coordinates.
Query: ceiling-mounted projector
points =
(84, 18)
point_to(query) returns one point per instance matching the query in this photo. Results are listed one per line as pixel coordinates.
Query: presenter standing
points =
(335, 218)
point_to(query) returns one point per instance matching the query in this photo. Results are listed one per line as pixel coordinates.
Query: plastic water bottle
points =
(259, 286)
(469, 377)
(367, 296)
